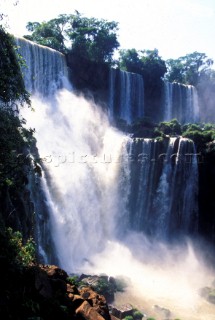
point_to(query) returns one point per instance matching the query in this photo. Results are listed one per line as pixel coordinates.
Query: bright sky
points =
(174, 27)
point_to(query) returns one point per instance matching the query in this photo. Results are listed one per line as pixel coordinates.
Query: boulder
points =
(54, 272)
(122, 311)
(88, 313)
(59, 287)
(42, 284)
(89, 294)
(97, 301)
(102, 284)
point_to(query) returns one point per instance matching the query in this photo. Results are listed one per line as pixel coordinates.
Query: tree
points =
(89, 38)
(145, 62)
(51, 34)
(153, 66)
(93, 39)
(188, 69)
(12, 87)
(130, 61)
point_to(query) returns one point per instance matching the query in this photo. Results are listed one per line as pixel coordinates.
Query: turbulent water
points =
(113, 202)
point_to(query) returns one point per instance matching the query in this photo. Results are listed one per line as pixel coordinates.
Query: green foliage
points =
(93, 39)
(209, 126)
(14, 139)
(137, 315)
(19, 253)
(89, 38)
(12, 88)
(172, 127)
(130, 60)
(74, 280)
(145, 62)
(192, 127)
(201, 134)
(50, 34)
(105, 288)
(128, 318)
(188, 69)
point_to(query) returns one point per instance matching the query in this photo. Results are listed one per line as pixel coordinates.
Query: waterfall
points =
(176, 195)
(126, 96)
(168, 101)
(180, 102)
(107, 202)
(44, 68)
(164, 184)
(98, 181)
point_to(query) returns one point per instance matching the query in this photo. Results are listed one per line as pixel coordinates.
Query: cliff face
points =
(89, 77)
(206, 193)
(16, 206)
(46, 292)
(17, 210)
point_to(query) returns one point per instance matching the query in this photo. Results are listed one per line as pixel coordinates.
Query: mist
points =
(163, 280)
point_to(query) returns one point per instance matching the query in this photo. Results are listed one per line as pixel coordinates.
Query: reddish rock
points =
(88, 293)
(55, 272)
(97, 301)
(71, 296)
(88, 312)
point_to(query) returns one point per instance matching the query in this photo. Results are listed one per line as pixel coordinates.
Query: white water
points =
(80, 152)
(43, 67)
(86, 184)
(127, 101)
(83, 156)
(180, 102)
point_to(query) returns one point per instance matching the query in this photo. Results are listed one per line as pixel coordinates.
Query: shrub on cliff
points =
(172, 127)
(201, 134)
(12, 88)
(23, 253)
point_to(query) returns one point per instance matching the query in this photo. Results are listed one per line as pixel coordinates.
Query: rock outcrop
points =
(45, 292)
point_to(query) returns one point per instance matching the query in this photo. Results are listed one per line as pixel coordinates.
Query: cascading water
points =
(163, 178)
(127, 101)
(44, 70)
(180, 102)
(176, 195)
(105, 192)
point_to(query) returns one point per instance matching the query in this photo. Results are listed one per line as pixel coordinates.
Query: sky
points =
(174, 27)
